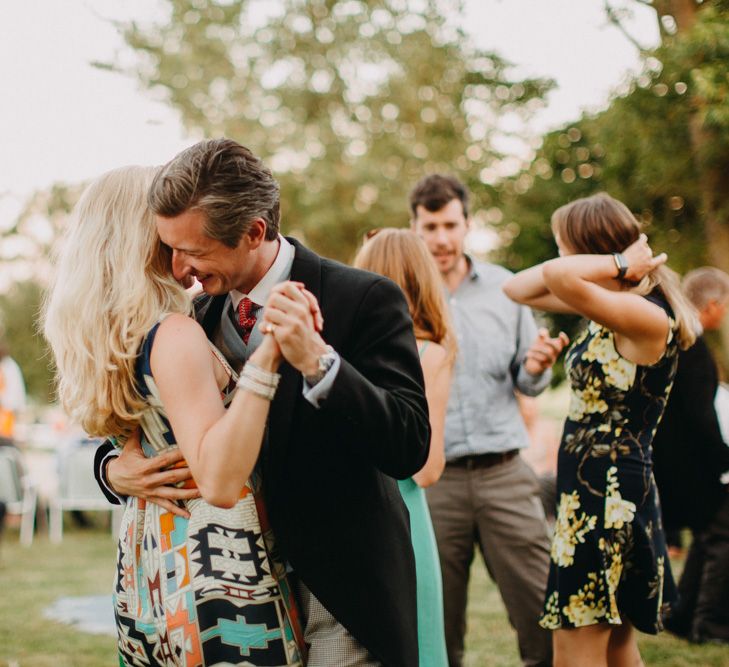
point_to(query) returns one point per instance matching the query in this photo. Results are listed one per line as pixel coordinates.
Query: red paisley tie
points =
(246, 319)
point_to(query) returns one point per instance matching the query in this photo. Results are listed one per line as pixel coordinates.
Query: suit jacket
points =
(334, 506)
(689, 454)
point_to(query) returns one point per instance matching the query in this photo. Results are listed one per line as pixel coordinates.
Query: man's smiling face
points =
(218, 267)
(444, 232)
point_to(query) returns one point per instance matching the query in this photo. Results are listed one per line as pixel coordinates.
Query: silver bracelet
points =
(257, 374)
(249, 384)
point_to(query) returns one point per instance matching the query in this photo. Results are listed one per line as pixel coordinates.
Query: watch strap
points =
(621, 264)
(325, 361)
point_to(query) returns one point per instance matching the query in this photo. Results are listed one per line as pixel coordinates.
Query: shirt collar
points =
(259, 294)
(472, 270)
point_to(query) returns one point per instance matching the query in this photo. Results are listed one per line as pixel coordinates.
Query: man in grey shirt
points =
(487, 494)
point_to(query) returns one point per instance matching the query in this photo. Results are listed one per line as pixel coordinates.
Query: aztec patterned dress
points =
(608, 559)
(206, 590)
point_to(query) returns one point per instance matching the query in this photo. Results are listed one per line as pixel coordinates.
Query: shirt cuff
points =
(110, 494)
(532, 385)
(318, 393)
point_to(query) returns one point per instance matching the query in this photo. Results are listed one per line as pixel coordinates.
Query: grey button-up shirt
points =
(494, 334)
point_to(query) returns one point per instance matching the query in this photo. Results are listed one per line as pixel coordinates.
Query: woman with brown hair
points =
(609, 568)
(403, 257)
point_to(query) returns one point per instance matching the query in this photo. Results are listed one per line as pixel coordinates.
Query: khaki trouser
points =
(499, 509)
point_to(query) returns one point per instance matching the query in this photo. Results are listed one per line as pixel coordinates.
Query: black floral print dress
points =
(609, 560)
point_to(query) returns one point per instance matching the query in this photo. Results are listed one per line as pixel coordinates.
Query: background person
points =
(403, 257)
(12, 392)
(690, 456)
(12, 404)
(609, 568)
(487, 495)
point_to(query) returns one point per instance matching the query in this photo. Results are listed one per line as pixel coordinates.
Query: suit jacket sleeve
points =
(378, 396)
(695, 389)
(103, 452)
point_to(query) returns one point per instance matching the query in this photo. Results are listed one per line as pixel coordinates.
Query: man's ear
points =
(257, 232)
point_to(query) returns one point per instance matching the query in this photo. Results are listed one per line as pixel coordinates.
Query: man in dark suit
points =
(348, 417)
(689, 458)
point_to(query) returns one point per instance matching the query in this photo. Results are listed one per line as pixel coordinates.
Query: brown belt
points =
(480, 461)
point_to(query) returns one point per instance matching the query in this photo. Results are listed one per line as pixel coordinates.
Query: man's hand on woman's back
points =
(154, 479)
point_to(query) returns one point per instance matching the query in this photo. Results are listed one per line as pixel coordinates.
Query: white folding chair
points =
(17, 492)
(77, 488)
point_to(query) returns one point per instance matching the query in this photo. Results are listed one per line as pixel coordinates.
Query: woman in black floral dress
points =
(609, 571)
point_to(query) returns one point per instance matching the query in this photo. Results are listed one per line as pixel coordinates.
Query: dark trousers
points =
(702, 612)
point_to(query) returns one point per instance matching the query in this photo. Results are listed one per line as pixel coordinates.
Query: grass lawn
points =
(32, 579)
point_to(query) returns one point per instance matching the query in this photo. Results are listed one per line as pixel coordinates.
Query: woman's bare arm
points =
(528, 287)
(437, 371)
(221, 446)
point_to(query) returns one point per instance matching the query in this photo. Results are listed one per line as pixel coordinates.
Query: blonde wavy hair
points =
(112, 283)
(601, 225)
(402, 256)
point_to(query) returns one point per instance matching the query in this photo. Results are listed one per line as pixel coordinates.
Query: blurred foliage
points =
(25, 249)
(25, 246)
(349, 102)
(19, 308)
(662, 148)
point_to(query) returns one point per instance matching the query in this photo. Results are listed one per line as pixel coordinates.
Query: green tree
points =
(19, 308)
(662, 148)
(26, 255)
(349, 102)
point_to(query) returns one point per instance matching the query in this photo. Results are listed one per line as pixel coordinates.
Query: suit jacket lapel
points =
(208, 311)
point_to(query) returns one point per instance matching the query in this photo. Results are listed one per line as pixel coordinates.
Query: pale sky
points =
(62, 120)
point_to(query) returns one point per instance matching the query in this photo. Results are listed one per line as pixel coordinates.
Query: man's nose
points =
(441, 236)
(180, 268)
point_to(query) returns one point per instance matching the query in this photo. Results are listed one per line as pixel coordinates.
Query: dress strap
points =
(223, 361)
(421, 349)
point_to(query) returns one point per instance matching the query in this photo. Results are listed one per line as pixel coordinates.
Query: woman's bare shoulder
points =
(179, 335)
(434, 354)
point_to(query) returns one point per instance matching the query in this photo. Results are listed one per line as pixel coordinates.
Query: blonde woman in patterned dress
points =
(202, 590)
(609, 570)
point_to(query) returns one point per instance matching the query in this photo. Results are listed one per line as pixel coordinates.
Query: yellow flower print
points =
(586, 402)
(613, 573)
(550, 618)
(569, 529)
(618, 372)
(599, 348)
(618, 512)
(656, 586)
(587, 607)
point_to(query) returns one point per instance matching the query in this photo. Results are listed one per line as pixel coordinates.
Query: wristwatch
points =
(621, 263)
(324, 363)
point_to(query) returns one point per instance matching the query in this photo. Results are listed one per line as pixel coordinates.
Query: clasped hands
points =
(292, 318)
